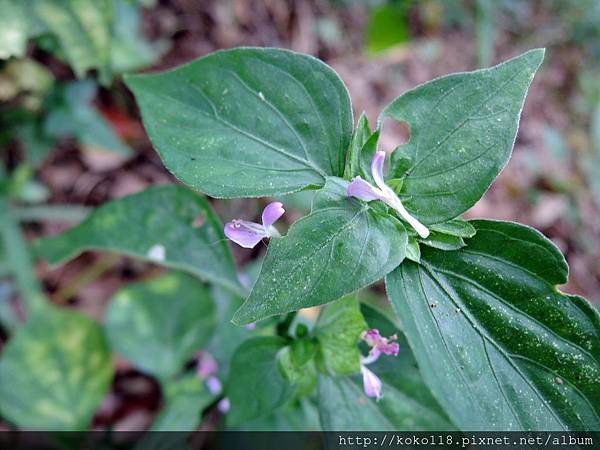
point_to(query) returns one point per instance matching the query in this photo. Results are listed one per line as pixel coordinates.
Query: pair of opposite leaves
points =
(256, 122)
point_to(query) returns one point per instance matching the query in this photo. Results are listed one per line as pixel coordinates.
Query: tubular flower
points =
(248, 234)
(372, 384)
(364, 190)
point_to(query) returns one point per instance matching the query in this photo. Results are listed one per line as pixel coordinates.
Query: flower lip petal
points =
(372, 385)
(244, 234)
(363, 190)
(377, 169)
(380, 344)
(271, 214)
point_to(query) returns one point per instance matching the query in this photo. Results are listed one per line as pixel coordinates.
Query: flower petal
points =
(206, 365)
(361, 189)
(244, 234)
(377, 169)
(371, 383)
(214, 385)
(224, 405)
(272, 213)
(381, 344)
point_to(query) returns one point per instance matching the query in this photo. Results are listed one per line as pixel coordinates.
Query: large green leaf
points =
(160, 324)
(54, 372)
(499, 346)
(407, 403)
(463, 127)
(248, 122)
(158, 218)
(256, 385)
(342, 246)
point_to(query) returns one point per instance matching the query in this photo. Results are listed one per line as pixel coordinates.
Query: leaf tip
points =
(535, 57)
(242, 317)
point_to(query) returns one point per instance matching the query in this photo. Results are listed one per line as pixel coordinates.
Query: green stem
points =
(19, 260)
(50, 213)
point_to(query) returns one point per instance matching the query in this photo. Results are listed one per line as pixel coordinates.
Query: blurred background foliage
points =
(71, 139)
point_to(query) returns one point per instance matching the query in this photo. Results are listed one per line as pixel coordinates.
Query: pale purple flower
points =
(224, 405)
(251, 326)
(365, 191)
(371, 383)
(248, 234)
(206, 365)
(380, 344)
(214, 385)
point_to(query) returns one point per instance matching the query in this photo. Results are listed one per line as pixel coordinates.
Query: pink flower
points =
(224, 405)
(372, 384)
(214, 385)
(380, 344)
(248, 234)
(206, 365)
(365, 191)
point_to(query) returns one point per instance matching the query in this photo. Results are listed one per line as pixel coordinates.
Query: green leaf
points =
(388, 27)
(72, 114)
(256, 385)
(296, 362)
(130, 50)
(443, 241)
(83, 28)
(293, 416)
(54, 372)
(499, 346)
(342, 246)
(455, 227)
(248, 122)
(158, 218)
(407, 403)
(160, 324)
(413, 251)
(463, 127)
(184, 401)
(15, 28)
(18, 259)
(338, 330)
(227, 336)
(35, 142)
(361, 134)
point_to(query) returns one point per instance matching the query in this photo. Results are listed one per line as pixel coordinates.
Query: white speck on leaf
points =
(157, 253)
